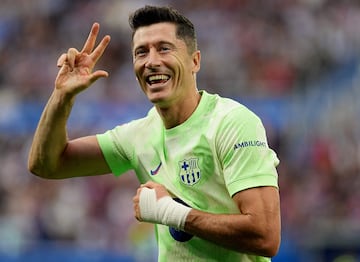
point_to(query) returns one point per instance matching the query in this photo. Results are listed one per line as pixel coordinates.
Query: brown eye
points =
(164, 49)
(140, 52)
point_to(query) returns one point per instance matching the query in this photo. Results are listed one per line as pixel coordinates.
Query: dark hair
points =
(149, 15)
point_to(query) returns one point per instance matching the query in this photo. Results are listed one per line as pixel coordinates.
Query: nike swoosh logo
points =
(156, 170)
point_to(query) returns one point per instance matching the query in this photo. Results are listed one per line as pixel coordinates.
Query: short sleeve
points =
(114, 152)
(246, 158)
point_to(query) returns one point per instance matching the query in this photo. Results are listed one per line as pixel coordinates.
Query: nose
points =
(153, 59)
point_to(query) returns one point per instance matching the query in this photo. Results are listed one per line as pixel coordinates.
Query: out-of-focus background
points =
(295, 63)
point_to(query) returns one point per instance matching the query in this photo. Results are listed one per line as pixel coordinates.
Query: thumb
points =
(98, 74)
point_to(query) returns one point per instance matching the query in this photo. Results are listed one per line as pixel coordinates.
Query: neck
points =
(178, 113)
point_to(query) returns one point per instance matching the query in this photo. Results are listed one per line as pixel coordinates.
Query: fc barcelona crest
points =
(189, 171)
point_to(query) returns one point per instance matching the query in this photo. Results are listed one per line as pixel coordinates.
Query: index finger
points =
(90, 41)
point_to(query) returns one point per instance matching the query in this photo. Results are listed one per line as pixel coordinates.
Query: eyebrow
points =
(167, 43)
(157, 44)
(162, 42)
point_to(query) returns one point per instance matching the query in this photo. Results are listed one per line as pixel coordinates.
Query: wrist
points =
(63, 98)
(62, 101)
(164, 211)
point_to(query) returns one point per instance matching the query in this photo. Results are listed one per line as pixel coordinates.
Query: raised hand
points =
(76, 68)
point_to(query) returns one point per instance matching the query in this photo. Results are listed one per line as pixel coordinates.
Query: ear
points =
(196, 58)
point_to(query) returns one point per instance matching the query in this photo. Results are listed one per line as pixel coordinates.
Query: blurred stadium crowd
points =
(295, 63)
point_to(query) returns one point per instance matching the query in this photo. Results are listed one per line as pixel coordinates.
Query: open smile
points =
(157, 79)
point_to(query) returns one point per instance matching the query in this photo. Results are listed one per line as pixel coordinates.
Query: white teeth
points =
(158, 77)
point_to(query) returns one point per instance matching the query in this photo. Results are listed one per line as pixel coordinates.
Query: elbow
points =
(264, 246)
(38, 169)
(269, 244)
(35, 170)
(270, 248)
(32, 166)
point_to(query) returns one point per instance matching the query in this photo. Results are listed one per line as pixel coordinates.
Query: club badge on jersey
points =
(190, 172)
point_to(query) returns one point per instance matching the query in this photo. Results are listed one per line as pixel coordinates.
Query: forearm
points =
(50, 138)
(240, 232)
(254, 230)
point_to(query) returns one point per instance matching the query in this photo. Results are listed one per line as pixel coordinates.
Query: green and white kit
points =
(220, 150)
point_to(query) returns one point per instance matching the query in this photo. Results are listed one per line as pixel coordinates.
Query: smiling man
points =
(209, 198)
(165, 68)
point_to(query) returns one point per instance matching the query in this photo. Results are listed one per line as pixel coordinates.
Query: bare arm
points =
(52, 155)
(256, 230)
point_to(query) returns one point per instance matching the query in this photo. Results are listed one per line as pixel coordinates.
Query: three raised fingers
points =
(70, 56)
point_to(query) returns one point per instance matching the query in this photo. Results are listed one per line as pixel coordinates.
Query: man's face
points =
(162, 64)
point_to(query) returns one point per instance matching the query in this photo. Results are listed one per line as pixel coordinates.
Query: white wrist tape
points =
(164, 211)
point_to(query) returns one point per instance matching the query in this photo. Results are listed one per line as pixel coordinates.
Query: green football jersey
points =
(218, 151)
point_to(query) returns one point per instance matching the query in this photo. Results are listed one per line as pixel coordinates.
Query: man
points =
(209, 179)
